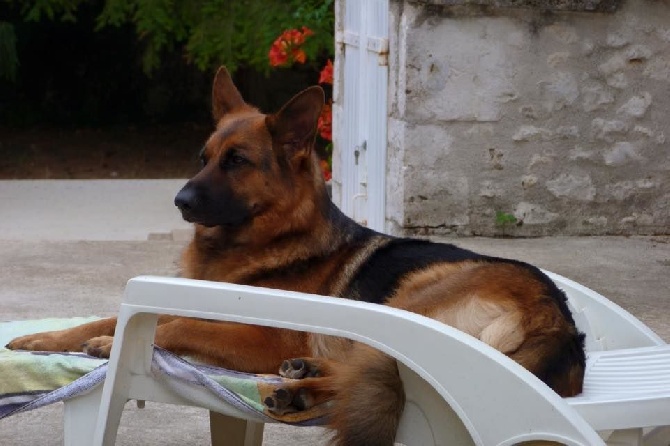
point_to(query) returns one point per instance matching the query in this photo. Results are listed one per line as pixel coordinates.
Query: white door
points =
(360, 109)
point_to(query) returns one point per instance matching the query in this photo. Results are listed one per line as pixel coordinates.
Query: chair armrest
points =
(477, 381)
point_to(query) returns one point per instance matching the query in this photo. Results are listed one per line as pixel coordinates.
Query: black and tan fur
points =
(263, 217)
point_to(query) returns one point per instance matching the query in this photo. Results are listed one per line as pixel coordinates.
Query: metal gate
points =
(360, 109)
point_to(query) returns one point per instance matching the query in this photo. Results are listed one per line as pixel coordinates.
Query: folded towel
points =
(29, 380)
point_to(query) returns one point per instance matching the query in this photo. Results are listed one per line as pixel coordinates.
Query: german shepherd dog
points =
(263, 217)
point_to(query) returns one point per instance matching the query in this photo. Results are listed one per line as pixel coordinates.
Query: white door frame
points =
(360, 110)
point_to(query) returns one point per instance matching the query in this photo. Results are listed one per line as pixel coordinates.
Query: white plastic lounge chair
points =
(469, 394)
(627, 385)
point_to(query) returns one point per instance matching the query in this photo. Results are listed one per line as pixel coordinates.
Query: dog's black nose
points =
(185, 199)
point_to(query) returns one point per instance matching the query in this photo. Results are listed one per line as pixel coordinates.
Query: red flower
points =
(325, 123)
(277, 55)
(326, 76)
(306, 32)
(286, 50)
(325, 170)
(299, 56)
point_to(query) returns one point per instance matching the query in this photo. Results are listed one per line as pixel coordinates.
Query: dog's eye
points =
(234, 160)
(202, 157)
(237, 159)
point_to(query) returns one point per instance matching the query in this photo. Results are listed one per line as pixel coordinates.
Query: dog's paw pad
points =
(269, 403)
(298, 368)
(279, 402)
(302, 400)
(294, 368)
(283, 401)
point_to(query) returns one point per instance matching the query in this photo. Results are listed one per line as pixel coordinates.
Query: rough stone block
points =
(577, 187)
(637, 105)
(534, 214)
(559, 119)
(621, 153)
(446, 83)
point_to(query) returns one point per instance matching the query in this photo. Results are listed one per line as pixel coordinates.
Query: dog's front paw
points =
(47, 341)
(99, 347)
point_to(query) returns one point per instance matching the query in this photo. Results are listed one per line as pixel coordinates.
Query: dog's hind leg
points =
(365, 390)
(369, 399)
(300, 395)
(299, 368)
(311, 387)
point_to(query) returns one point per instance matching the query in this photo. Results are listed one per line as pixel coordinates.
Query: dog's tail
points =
(368, 399)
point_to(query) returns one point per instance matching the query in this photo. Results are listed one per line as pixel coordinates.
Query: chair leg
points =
(229, 431)
(659, 436)
(130, 359)
(80, 416)
(110, 424)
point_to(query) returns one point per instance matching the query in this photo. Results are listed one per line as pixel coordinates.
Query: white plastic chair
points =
(627, 385)
(459, 391)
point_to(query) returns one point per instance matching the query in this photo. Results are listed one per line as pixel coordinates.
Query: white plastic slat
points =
(634, 372)
(626, 388)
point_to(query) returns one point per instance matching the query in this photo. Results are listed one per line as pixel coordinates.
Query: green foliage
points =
(9, 61)
(241, 32)
(209, 32)
(35, 10)
(503, 218)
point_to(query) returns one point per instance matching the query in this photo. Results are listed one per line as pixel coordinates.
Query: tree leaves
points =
(210, 32)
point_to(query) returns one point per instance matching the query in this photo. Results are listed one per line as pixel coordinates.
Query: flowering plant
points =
(287, 50)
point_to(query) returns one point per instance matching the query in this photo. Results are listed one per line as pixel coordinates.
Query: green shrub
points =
(208, 32)
(9, 61)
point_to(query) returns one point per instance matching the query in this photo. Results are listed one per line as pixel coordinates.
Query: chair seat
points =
(626, 388)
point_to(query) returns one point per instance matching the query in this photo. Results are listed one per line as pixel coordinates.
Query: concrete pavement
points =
(52, 269)
(88, 209)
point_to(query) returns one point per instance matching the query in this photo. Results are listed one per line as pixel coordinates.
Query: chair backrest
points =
(607, 326)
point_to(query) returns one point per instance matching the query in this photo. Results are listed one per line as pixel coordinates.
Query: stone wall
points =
(528, 121)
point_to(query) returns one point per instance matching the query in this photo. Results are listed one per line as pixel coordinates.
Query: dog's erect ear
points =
(225, 96)
(294, 126)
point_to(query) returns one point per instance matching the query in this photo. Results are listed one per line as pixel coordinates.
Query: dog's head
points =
(253, 164)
